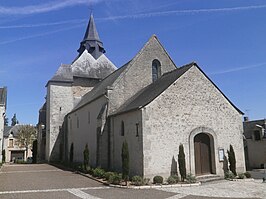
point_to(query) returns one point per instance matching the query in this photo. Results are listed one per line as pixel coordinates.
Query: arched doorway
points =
(203, 159)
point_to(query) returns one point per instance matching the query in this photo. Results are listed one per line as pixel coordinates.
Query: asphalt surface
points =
(43, 181)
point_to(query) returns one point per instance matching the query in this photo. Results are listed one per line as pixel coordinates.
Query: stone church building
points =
(149, 102)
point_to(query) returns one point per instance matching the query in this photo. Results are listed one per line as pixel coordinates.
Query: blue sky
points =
(225, 37)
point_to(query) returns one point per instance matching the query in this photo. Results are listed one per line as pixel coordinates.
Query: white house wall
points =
(2, 118)
(189, 106)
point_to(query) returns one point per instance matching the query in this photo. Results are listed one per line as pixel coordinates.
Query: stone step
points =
(208, 178)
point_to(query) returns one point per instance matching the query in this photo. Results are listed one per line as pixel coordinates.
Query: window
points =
(11, 143)
(122, 128)
(156, 70)
(257, 135)
(137, 129)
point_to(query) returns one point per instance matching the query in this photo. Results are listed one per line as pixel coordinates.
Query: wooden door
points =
(202, 154)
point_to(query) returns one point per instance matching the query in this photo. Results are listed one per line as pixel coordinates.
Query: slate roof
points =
(90, 63)
(63, 73)
(3, 95)
(100, 88)
(13, 129)
(91, 31)
(150, 92)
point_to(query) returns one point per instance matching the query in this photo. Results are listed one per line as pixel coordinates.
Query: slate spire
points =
(91, 41)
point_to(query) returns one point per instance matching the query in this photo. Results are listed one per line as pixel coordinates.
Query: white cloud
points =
(38, 35)
(238, 69)
(74, 21)
(47, 7)
(175, 12)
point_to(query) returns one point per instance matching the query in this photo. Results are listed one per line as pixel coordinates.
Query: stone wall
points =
(139, 74)
(189, 106)
(82, 129)
(256, 153)
(59, 103)
(131, 121)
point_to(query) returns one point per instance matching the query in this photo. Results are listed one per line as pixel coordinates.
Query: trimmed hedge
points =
(158, 180)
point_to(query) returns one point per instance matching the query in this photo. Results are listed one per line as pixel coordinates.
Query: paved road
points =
(46, 181)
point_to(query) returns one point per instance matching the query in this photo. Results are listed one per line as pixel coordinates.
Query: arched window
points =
(156, 70)
(122, 128)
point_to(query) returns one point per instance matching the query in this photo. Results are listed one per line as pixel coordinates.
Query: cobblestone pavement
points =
(46, 181)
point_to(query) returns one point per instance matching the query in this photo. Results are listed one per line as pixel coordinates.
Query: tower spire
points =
(91, 41)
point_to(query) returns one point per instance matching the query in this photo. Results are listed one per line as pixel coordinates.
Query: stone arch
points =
(213, 140)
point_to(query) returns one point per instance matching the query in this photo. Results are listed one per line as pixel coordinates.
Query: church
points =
(149, 102)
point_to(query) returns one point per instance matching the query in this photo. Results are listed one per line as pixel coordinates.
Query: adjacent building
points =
(149, 102)
(3, 101)
(255, 143)
(12, 147)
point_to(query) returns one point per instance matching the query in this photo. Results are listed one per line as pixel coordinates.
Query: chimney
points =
(246, 119)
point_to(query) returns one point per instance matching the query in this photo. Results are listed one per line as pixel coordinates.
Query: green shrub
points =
(3, 156)
(232, 160)
(241, 175)
(115, 178)
(34, 151)
(86, 157)
(146, 181)
(182, 162)
(125, 161)
(172, 180)
(229, 175)
(71, 153)
(137, 180)
(107, 175)
(191, 178)
(99, 173)
(247, 174)
(158, 180)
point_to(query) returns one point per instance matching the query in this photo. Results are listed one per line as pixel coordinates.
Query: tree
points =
(232, 160)
(182, 162)
(3, 155)
(71, 153)
(14, 120)
(34, 152)
(86, 157)
(26, 135)
(6, 121)
(125, 161)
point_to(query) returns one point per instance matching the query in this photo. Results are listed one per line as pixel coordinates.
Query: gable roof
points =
(149, 93)
(115, 77)
(14, 129)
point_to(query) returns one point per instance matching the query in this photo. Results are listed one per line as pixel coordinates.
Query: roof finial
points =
(91, 40)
